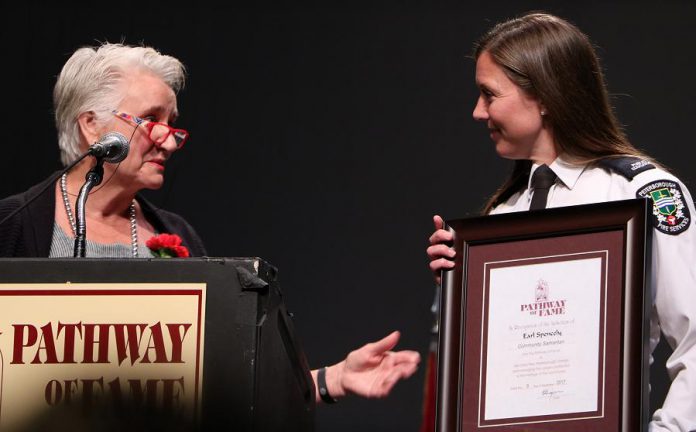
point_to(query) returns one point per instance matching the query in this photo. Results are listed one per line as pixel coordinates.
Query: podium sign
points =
(98, 341)
(544, 321)
(199, 342)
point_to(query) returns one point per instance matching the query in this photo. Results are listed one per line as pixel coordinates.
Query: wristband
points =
(323, 390)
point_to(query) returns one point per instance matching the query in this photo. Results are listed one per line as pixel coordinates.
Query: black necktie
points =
(542, 180)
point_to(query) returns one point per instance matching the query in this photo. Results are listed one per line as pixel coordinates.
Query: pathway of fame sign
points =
(110, 343)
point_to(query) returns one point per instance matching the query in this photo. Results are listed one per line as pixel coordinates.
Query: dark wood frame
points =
(627, 221)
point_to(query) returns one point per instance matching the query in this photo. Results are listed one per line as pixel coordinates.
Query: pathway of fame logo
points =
(543, 305)
(113, 347)
(670, 214)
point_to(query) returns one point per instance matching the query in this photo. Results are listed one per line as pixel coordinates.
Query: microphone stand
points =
(93, 178)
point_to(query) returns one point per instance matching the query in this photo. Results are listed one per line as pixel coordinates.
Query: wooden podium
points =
(204, 343)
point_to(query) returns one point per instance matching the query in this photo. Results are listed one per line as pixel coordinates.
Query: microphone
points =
(112, 147)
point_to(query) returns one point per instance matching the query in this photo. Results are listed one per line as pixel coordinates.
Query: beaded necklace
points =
(73, 225)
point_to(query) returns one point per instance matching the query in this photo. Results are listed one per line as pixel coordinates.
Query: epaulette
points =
(627, 166)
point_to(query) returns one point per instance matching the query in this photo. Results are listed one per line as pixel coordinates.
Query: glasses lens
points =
(180, 137)
(161, 132)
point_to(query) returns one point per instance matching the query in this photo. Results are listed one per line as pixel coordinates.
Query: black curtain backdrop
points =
(323, 139)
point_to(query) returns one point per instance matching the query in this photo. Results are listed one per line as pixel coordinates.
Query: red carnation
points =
(167, 246)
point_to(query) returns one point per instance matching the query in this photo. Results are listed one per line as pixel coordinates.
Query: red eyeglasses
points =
(158, 132)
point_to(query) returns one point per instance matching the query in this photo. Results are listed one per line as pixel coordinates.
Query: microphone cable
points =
(53, 180)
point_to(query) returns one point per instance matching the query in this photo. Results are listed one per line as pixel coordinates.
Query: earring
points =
(543, 113)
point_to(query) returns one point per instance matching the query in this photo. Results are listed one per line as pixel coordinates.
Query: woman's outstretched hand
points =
(440, 254)
(372, 370)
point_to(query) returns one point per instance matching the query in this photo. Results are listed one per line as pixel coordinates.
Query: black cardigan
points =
(29, 232)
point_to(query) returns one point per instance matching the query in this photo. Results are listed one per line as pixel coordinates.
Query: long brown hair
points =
(553, 61)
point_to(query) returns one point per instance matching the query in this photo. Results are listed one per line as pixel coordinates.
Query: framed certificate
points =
(544, 321)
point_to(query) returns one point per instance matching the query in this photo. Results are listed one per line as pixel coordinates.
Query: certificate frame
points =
(614, 240)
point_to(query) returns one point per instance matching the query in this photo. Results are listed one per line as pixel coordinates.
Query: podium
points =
(205, 341)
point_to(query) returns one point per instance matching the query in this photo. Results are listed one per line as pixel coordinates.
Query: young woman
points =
(544, 100)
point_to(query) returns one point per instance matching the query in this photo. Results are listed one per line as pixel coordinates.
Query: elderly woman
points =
(132, 90)
(544, 101)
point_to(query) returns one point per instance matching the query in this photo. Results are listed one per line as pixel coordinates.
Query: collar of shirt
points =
(567, 172)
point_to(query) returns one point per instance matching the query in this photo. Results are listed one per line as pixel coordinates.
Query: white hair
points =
(90, 81)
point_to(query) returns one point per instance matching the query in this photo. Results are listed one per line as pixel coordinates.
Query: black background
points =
(323, 139)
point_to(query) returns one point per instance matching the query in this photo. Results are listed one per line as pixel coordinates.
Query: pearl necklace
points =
(73, 225)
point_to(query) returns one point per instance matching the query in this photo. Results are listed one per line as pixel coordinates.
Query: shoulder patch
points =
(627, 166)
(670, 214)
